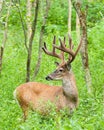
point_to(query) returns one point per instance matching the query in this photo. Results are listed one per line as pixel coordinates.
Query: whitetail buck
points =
(34, 95)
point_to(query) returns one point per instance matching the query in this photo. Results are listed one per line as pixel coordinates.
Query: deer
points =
(34, 95)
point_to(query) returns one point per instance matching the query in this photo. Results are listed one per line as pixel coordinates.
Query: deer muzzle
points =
(49, 77)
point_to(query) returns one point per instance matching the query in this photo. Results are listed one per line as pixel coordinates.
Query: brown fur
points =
(34, 95)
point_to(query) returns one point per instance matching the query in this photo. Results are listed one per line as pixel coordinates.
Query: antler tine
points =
(62, 52)
(45, 49)
(53, 53)
(70, 42)
(69, 50)
(63, 48)
(75, 53)
(54, 41)
(79, 46)
(64, 40)
(71, 46)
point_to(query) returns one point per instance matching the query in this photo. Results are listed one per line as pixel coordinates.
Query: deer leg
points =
(25, 112)
(72, 107)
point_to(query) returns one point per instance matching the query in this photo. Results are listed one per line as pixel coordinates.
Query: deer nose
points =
(49, 78)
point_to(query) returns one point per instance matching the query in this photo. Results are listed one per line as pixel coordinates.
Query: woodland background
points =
(16, 18)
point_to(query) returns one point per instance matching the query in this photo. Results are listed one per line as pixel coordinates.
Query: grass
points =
(90, 113)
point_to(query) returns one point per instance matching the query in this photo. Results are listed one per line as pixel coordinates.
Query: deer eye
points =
(61, 69)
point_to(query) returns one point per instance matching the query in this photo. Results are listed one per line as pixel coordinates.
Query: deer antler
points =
(53, 52)
(69, 50)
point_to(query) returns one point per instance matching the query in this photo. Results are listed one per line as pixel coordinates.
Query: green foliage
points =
(95, 13)
(57, 19)
(90, 113)
(97, 42)
(58, 15)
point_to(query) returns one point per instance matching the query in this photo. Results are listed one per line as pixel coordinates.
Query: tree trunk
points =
(1, 4)
(69, 16)
(28, 19)
(5, 37)
(84, 49)
(1, 57)
(31, 41)
(23, 24)
(78, 33)
(90, 0)
(41, 38)
(84, 55)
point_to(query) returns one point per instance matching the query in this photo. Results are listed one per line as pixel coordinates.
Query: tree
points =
(77, 25)
(29, 30)
(84, 49)
(5, 35)
(1, 4)
(90, 0)
(69, 16)
(41, 38)
(28, 19)
(31, 41)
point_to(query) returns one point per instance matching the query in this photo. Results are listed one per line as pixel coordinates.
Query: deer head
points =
(65, 66)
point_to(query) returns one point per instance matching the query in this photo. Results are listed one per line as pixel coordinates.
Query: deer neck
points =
(69, 87)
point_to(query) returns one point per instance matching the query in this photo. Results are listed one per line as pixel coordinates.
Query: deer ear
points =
(68, 66)
(56, 63)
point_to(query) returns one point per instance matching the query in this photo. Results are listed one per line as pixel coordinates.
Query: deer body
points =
(35, 96)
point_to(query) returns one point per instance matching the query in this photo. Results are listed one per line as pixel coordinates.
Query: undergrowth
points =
(88, 116)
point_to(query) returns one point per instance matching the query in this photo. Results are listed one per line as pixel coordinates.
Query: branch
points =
(34, 23)
(41, 37)
(23, 26)
(82, 15)
(1, 5)
(5, 36)
(31, 40)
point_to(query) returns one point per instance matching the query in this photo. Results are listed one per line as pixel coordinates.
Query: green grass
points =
(90, 113)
